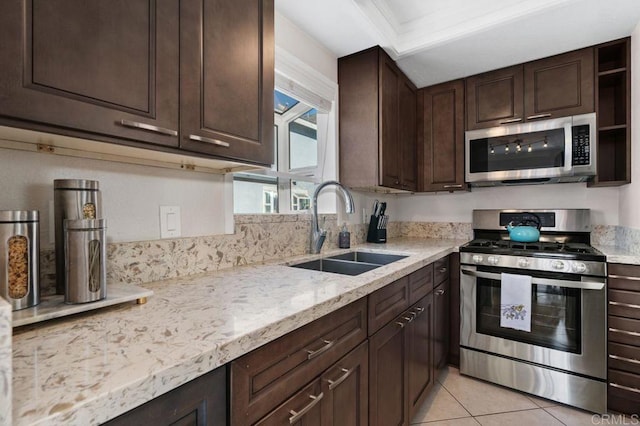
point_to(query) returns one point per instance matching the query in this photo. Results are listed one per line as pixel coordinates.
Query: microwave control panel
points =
(581, 145)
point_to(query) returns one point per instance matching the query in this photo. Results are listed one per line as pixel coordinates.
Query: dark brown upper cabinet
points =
(495, 98)
(137, 72)
(552, 87)
(441, 137)
(377, 122)
(227, 72)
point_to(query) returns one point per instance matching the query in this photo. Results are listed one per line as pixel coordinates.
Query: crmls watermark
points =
(615, 419)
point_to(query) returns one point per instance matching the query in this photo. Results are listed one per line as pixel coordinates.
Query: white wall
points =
(131, 194)
(630, 194)
(457, 207)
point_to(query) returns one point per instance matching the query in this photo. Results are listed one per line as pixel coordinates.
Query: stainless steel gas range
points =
(533, 315)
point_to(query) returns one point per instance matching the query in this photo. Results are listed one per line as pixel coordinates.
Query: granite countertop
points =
(618, 255)
(90, 368)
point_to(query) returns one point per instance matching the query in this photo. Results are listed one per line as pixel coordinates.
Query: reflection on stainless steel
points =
(585, 285)
(577, 391)
(569, 220)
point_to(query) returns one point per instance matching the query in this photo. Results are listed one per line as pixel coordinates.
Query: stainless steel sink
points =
(337, 266)
(368, 257)
(352, 263)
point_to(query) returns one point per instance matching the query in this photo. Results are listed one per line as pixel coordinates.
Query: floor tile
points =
(465, 421)
(537, 417)
(575, 417)
(440, 405)
(543, 403)
(480, 398)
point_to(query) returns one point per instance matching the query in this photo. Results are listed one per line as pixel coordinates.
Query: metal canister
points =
(19, 257)
(73, 199)
(85, 260)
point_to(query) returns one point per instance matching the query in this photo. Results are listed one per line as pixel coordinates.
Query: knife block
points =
(375, 233)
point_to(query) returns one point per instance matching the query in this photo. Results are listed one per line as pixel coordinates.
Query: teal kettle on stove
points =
(526, 231)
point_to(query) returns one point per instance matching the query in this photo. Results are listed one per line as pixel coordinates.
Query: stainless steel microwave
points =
(556, 150)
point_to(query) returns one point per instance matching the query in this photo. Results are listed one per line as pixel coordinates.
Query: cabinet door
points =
(407, 134)
(495, 98)
(226, 78)
(441, 325)
(345, 387)
(302, 409)
(441, 137)
(560, 85)
(388, 376)
(201, 402)
(420, 352)
(454, 309)
(91, 68)
(390, 148)
(387, 303)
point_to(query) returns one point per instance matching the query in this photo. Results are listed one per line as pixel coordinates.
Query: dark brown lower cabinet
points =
(200, 402)
(302, 409)
(401, 365)
(454, 309)
(441, 325)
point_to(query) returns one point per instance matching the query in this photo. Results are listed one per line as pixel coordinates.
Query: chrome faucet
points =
(318, 235)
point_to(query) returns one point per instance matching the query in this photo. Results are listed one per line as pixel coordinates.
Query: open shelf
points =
(612, 55)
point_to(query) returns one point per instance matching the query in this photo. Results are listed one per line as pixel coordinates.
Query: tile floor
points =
(459, 400)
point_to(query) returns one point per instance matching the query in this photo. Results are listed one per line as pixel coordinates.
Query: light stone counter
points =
(619, 255)
(5, 362)
(90, 368)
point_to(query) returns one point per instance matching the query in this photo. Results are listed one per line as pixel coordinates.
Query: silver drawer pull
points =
(419, 309)
(408, 319)
(630, 333)
(452, 186)
(335, 383)
(401, 324)
(621, 358)
(624, 305)
(440, 292)
(442, 270)
(326, 347)
(622, 277)
(512, 120)
(535, 117)
(297, 415)
(627, 388)
(209, 140)
(149, 127)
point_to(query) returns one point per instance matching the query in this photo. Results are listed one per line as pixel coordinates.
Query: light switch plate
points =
(170, 221)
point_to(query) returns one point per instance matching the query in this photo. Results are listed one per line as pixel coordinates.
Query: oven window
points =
(555, 316)
(535, 150)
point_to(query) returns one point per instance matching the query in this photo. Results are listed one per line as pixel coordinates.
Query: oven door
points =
(568, 320)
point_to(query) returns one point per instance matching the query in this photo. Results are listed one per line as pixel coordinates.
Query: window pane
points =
(283, 103)
(303, 141)
(301, 193)
(255, 196)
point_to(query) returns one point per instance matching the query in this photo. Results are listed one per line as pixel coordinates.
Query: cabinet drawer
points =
(420, 283)
(440, 270)
(387, 303)
(304, 408)
(624, 303)
(624, 277)
(624, 357)
(625, 386)
(624, 330)
(269, 375)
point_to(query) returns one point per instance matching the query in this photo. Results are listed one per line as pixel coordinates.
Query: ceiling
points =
(440, 40)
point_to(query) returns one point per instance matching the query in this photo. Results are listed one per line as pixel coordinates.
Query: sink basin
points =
(337, 266)
(352, 263)
(368, 257)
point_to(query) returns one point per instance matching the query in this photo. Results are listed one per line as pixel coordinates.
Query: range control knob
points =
(493, 260)
(477, 258)
(579, 267)
(523, 263)
(557, 264)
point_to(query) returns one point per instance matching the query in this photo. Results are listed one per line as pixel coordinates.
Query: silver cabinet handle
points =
(452, 186)
(537, 116)
(627, 388)
(401, 324)
(630, 333)
(297, 415)
(583, 285)
(621, 358)
(624, 305)
(408, 319)
(335, 383)
(209, 140)
(442, 270)
(622, 277)
(440, 292)
(512, 120)
(326, 347)
(149, 127)
(419, 309)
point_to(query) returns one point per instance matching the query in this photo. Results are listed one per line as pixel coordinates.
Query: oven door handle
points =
(583, 285)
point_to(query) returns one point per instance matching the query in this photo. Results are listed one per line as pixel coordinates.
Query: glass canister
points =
(73, 199)
(19, 257)
(85, 260)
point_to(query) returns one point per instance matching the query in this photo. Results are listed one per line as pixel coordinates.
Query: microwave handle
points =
(583, 285)
(568, 146)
